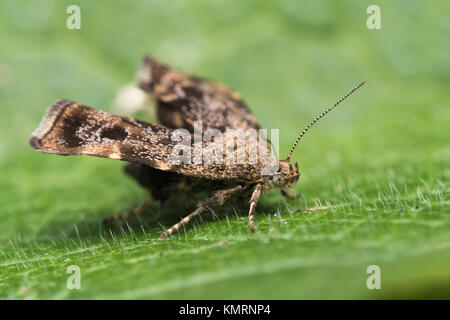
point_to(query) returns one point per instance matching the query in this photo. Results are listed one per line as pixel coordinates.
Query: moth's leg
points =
(132, 213)
(160, 210)
(253, 201)
(289, 195)
(217, 199)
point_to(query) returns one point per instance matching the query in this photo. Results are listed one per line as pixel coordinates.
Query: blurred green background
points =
(380, 162)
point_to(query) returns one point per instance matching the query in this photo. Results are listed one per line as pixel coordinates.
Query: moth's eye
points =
(278, 180)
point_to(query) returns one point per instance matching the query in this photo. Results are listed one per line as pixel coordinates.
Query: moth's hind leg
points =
(132, 213)
(217, 199)
(155, 181)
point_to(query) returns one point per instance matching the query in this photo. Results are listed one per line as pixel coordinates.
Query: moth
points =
(71, 128)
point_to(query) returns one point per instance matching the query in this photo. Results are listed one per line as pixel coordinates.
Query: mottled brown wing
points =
(183, 99)
(70, 128)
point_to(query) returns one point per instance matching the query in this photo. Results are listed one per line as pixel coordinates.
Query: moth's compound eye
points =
(278, 180)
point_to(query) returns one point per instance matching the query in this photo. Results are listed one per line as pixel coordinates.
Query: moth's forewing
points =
(184, 99)
(70, 128)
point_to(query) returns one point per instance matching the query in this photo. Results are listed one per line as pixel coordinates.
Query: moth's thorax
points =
(286, 177)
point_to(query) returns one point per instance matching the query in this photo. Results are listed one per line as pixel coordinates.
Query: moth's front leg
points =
(217, 199)
(253, 201)
(289, 195)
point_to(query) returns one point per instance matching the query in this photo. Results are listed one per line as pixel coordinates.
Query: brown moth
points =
(70, 128)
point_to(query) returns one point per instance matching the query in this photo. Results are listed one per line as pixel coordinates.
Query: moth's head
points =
(287, 175)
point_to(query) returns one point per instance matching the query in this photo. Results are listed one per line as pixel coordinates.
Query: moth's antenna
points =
(320, 117)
